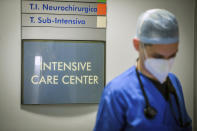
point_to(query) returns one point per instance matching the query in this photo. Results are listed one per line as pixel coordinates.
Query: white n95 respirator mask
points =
(159, 68)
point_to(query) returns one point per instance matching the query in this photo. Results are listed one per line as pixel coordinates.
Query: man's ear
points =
(136, 44)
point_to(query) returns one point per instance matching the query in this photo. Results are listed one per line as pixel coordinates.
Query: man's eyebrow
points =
(158, 55)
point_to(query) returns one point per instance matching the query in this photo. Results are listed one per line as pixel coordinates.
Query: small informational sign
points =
(77, 15)
(72, 14)
(60, 7)
(59, 72)
(74, 21)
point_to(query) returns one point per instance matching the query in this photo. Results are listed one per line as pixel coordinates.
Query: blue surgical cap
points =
(157, 26)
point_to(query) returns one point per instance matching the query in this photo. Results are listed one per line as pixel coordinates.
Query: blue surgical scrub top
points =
(122, 105)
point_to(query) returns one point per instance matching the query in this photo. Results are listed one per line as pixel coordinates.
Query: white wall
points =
(122, 15)
(195, 79)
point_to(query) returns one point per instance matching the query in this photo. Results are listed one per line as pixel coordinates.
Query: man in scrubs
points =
(147, 96)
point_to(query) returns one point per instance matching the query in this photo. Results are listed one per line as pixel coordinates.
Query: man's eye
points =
(172, 56)
(157, 56)
(162, 57)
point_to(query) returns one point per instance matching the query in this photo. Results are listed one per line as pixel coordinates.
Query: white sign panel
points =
(59, 7)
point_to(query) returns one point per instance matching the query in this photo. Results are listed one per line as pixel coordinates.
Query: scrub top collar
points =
(164, 88)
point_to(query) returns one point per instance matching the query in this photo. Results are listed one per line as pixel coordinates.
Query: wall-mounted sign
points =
(57, 72)
(64, 7)
(74, 21)
(63, 51)
(80, 15)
